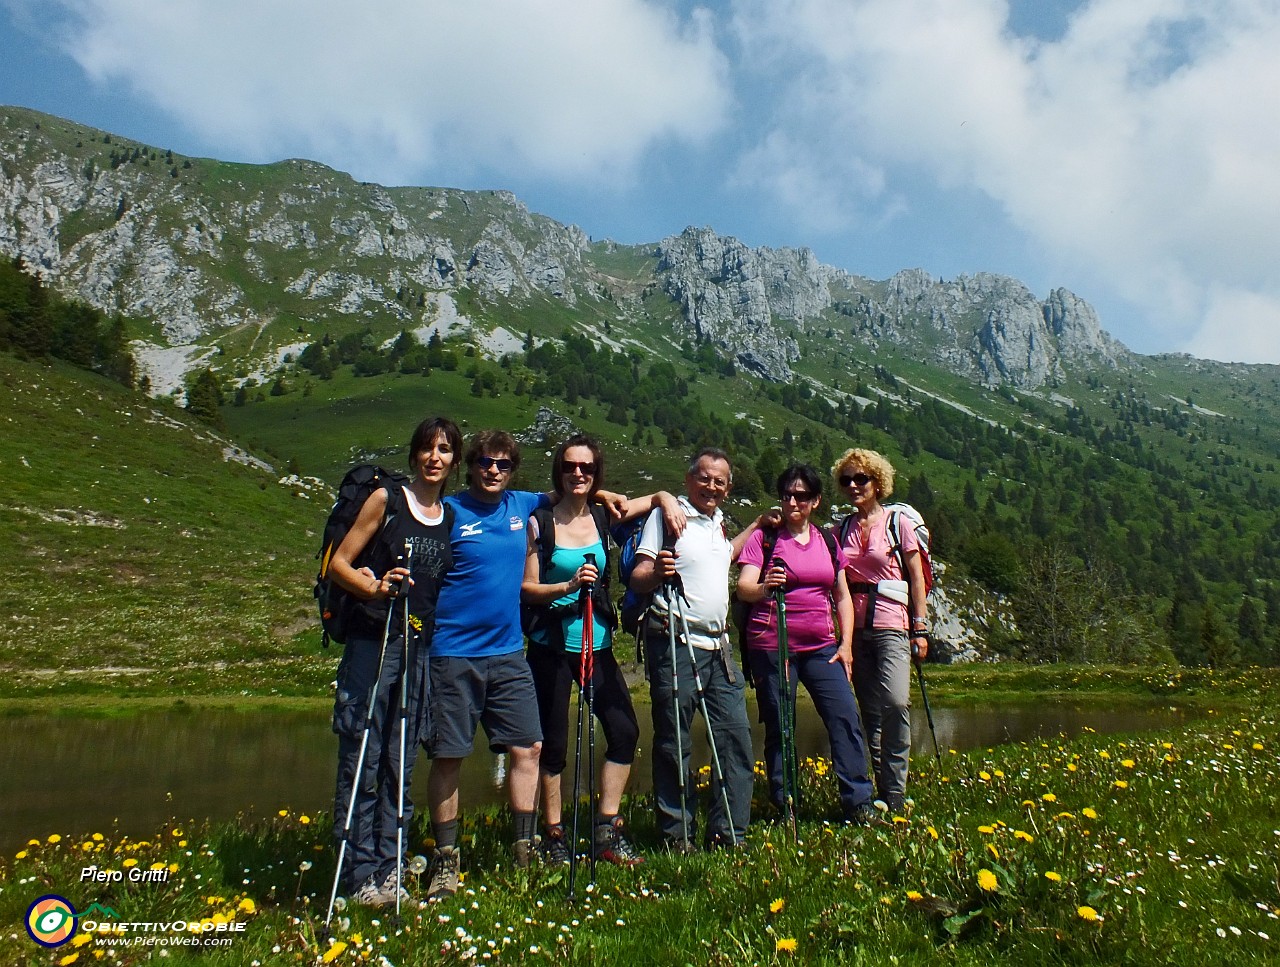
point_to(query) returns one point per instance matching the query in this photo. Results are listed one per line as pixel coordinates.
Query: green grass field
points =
(1154, 848)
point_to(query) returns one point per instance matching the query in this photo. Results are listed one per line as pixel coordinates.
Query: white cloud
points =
(389, 88)
(1140, 144)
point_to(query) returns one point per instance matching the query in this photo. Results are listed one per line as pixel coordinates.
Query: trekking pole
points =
(355, 780)
(404, 722)
(702, 705)
(589, 651)
(786, 716)
(584, 668)
(675, 711)
(928, 712)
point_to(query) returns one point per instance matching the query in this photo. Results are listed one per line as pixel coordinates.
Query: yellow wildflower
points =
(991, 848)
(1121, 784)
(777, 905)
(20, 855)
(1049, 797)
(933, 832)
(305, 820)
(1086, 913)
(68, 959)
(1052, 877)
(55, 838)
(987, 830)
(97, 837)
(914, 895)
(1104, 754)
(1127, 763)
(983, 775)
(129, 862)
(1025, 837)
(247, 905)
(1089, 812)
(1257, 747)
(334, 952)
(987, 881)
(785, 945)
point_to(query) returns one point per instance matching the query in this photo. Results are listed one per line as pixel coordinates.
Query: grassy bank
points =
(1152, 849)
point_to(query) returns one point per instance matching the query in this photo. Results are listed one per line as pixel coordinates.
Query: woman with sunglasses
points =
(803, 561)
(885, 583)
(568, 550)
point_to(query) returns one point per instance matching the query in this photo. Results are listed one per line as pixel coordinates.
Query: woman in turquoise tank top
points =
(568, 551)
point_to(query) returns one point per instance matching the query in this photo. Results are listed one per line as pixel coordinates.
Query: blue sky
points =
(1124, 149)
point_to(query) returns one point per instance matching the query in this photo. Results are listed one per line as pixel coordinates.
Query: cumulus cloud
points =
(390, 88)
(1140, 143)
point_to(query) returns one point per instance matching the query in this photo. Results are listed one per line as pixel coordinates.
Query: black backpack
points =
(340, 611)
(547, 622)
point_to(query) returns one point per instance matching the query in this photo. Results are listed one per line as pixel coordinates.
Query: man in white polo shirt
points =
(700, 562)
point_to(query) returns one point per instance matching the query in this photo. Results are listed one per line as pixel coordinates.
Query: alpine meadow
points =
(193, 353)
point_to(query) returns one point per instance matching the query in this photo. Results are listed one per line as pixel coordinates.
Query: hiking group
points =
(434, 596)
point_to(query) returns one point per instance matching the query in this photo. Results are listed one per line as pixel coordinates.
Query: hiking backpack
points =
(341, 611)
(546, 620)
(900, 515)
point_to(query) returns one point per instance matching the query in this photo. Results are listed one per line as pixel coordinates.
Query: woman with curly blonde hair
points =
(885, 585)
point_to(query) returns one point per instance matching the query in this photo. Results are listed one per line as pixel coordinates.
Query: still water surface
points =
(132, 775)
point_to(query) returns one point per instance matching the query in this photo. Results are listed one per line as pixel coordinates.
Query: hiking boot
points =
(389, 890)
(370, 894)
(445, 868)
(526, 852)
(555, 848)
(680, 847)
(865, 814)
(613, 846)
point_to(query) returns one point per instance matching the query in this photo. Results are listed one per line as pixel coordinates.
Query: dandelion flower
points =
(933, 832)
(1127, 763)
(914, 895)
(20, 855)
(1087, 913)
(1257, 747)
(68, 959)
(777, 905)
(1121, 784)
(991, 848)
(247, 905)
(1089, 812)
(55, 838)
(785, 945)
(1052, 877)
(1049, 797)
(334, 952)
(1104, 754)
(984, 775)
(1025, 837)
(987, 881)
(129, 862)
(987, 830)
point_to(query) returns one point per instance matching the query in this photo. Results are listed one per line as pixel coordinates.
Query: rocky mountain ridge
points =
(208, 250)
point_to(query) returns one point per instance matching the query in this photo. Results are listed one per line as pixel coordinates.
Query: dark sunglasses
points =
(501, 464)
(584, 468)
(861, 479)
(799, 496)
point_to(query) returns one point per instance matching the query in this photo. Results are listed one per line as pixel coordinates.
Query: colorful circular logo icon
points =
(51, 920)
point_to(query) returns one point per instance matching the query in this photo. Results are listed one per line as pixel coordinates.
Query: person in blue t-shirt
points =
(479, 676)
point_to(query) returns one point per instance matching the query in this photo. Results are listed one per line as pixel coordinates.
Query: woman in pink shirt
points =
(884, 584)
(805, 561)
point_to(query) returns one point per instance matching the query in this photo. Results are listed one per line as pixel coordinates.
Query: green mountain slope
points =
(141, 559)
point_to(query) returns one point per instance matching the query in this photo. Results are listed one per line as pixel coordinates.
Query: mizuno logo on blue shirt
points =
(470, 530)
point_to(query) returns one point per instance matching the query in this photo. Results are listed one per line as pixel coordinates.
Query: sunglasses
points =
(587, 469)
(860, 479)
(799, 496)
(501, 464)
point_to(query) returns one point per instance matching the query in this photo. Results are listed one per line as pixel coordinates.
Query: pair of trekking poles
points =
(401, 592)
(673, 591)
